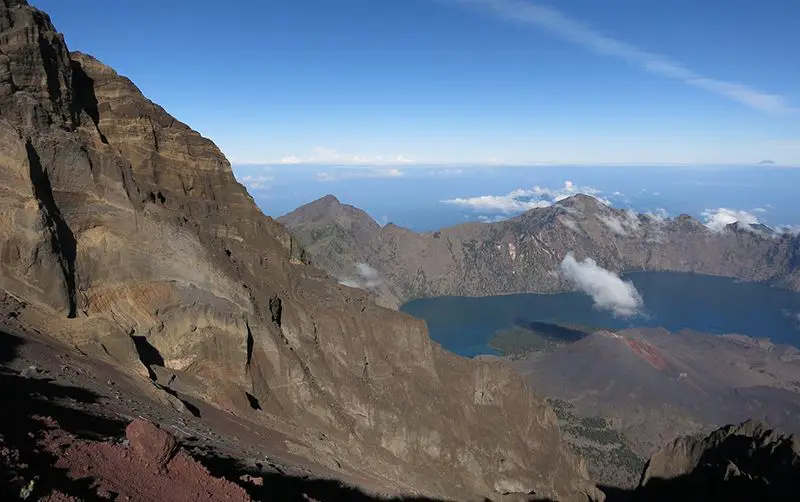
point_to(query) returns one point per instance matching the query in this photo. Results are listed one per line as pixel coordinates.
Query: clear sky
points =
(462, 81)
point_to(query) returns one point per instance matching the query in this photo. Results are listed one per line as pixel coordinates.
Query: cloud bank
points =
(521, 200)
(329, 156)
(367, 278)
(608, 291)
(718, 219)
(256, 182)
(359, 173)
(593, 40)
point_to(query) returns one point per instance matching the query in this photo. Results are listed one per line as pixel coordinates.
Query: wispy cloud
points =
(659, 214)
(361, 173)
(613, 223)
(608, 290)
(523, 199)
(449, 172)
(492, 219)
(788, 229)
(330, 156)
(591, 39)
(258, 182)
(366, 277)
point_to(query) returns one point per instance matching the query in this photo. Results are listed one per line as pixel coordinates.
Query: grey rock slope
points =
(125, 235)
(654, 385)
(521, 254)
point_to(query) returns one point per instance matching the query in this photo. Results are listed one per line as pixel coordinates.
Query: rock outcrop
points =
(737, 462)
(521, 254)
(126, 236)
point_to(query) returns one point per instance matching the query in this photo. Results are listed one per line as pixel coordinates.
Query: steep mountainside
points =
(735, 463)
(521, 254)
(126, 236)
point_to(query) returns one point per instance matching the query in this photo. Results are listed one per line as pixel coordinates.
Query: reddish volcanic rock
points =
(150, 469)
(648, 353)
(151, 444)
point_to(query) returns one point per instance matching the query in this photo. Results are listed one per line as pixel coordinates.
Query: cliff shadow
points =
(703, 487)
(62, 239)
(283, 487)
(553, 331)
(28, 398)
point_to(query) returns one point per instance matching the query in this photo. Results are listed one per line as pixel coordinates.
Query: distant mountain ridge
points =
(522, 253)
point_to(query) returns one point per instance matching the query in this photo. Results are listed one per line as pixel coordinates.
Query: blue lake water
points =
(673, 301)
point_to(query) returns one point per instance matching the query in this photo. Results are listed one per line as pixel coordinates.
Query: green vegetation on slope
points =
(609, 457)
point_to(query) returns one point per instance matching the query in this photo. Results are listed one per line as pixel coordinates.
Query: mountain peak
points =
(327, 210)
(580, 201)
(329, 199)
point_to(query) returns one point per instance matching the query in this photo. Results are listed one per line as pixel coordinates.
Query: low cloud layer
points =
(718, 219)
(328, 156)
(359, 173)
(367, 278)
(524, 199)
(256, 182)
(788, 229)
(607, 289)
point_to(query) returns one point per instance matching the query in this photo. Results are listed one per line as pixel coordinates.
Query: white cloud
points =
(359, 173)
(632, 220)
(574, 31)
(629, 223)
(492, 219)
(523, 199)
(608, 291)
(659, 214)
(289, 160)
(718, 219)
(258, 182)
(570, 224)
(788, 229)
(613, 223)
(329, 156)
(367, 278)
(497, 203)
(446, 173)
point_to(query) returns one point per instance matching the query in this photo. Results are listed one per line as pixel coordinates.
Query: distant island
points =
(767, 162)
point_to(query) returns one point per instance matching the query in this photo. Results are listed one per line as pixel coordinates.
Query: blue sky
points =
(402, 82)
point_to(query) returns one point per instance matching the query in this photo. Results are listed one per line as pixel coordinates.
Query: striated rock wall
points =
(127, 235)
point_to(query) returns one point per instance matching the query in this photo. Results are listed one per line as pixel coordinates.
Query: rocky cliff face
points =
(737, 462)
(521, 254)
(126, 236)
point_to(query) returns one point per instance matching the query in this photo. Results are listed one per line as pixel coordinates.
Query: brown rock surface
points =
(127, 237)
(152, 445)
